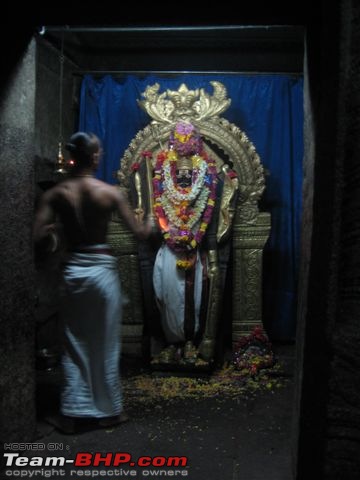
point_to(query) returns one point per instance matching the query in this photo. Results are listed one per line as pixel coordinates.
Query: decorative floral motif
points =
(185, 139)
(232, 174)
(135, 166)
(253, 352)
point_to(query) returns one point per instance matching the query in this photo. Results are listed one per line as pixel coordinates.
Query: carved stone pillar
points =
(249, 239)
(124, 246)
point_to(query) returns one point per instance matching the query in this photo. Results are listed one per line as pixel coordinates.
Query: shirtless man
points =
(91, 308)
(82, 203)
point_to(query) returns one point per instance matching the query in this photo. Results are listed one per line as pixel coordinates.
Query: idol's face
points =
(183, 177)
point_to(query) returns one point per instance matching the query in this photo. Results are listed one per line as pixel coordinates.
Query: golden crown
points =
(184, 163)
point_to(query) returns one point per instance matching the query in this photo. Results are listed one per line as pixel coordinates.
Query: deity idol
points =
(184, 186)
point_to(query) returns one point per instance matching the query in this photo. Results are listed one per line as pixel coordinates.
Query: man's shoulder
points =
(105, 186)
(53, 191)
(105, 191)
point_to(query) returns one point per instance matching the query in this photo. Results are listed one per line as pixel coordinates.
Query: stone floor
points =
(238, 437)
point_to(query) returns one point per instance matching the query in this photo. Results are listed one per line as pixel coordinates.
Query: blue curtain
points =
(269, 109)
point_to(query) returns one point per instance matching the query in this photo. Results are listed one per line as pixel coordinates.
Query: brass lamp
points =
(60, 165)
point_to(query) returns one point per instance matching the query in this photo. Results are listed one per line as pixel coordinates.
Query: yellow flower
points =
(172, 156)
(183, 264)
(182, 238)
(196, 160)
(181, 137)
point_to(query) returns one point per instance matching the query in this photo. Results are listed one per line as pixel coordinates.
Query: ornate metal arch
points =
(202, 110)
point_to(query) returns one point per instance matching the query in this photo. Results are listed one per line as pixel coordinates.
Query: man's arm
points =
(141, 230)
(44, 223)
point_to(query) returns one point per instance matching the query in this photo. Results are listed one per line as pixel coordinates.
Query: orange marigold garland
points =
(184, 213)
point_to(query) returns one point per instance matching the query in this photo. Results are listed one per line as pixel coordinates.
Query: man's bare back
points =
(84, 205)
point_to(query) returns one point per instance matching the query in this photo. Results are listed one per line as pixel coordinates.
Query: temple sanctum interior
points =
(237, 137)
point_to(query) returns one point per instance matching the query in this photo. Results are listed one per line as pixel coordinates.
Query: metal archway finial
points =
(184, 104)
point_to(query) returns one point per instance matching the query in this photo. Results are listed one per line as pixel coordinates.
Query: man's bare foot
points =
(62, 423)
(113, 421)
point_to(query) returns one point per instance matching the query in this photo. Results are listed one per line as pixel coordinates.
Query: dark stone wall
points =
(29, 132)
(242, 50)
(327, 415)
(49, 119)
(342, 458)
(17, 121)
(52, 125)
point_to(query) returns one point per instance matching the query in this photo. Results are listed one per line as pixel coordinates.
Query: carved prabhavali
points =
(241, 230)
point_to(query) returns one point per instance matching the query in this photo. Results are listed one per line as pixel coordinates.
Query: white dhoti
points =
(91, 314)
(169, 286)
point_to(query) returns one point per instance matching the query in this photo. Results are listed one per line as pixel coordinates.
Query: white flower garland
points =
(193, 212)
(173, 193)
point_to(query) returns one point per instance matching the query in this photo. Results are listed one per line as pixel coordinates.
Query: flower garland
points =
(185, 139)
(253, 352)
(184, 213)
